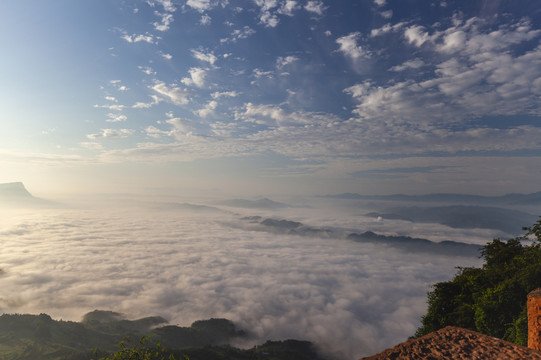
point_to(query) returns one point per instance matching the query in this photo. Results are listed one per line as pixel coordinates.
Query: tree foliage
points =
(490, 299)
(141, 351)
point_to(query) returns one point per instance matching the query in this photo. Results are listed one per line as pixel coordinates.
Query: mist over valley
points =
(315, 270)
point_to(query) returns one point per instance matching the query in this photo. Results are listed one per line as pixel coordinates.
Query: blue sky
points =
(271, 96)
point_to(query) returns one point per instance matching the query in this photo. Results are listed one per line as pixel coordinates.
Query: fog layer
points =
(350, 299)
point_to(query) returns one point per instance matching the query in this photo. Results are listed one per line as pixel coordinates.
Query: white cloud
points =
(166, 20)
(479, 74)
(197, 77)
(147, 70)
(111, 98)
(118, 86)
(387, 14)
(409, 64)
(149, 38)
(181, 127)
(207, 57)
(208, 109)
(217, 94)
(288, 7)
(205, 19)
(166, 56)
(116, 107)
(387, 28)
(199, 5)
(116, 117)
(143, 105)
(270, 9)
(239, 34)
(315, 6)
(283, 61)
(269, 19)
(175, 94)
(166, 4)
(416, 35)
(260, 73)
(349, 46)
(156, 133)
(380, 2)
(111, 133)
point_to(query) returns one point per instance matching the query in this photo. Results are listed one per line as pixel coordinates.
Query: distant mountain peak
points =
(14, 190)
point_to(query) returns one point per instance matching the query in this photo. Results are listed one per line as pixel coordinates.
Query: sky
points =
(271, 96)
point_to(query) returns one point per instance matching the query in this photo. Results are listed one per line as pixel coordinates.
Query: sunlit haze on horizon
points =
(270, 96)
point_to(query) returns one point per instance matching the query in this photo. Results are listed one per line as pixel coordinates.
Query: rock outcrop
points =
(456, 343)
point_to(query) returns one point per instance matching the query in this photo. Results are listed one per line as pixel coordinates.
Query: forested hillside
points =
(490, 299)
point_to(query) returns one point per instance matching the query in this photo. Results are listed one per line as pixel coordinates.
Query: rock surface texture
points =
(456, 343)
(534, 319)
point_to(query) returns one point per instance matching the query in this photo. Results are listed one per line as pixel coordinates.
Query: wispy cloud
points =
(173, 93)
(135, 38)
(204, 56)
(116, 117)
(239, 34)
(111, 133)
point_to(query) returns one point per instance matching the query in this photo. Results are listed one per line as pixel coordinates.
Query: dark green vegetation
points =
(490, 299)
(97, 336)
(271, 350)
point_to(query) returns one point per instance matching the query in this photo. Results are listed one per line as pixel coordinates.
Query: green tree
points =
(141, 351)
(490, 299)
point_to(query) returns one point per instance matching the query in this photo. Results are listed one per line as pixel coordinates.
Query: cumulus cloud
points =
(478, 74)
(315, 6)
(199, 5)
(165, 55)
(349, 46)
(270, 9)
(197, 77)
(166, 20)
(416, 35)
(174, 93)
(350, 299)
(288, 7)
(208, 109)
